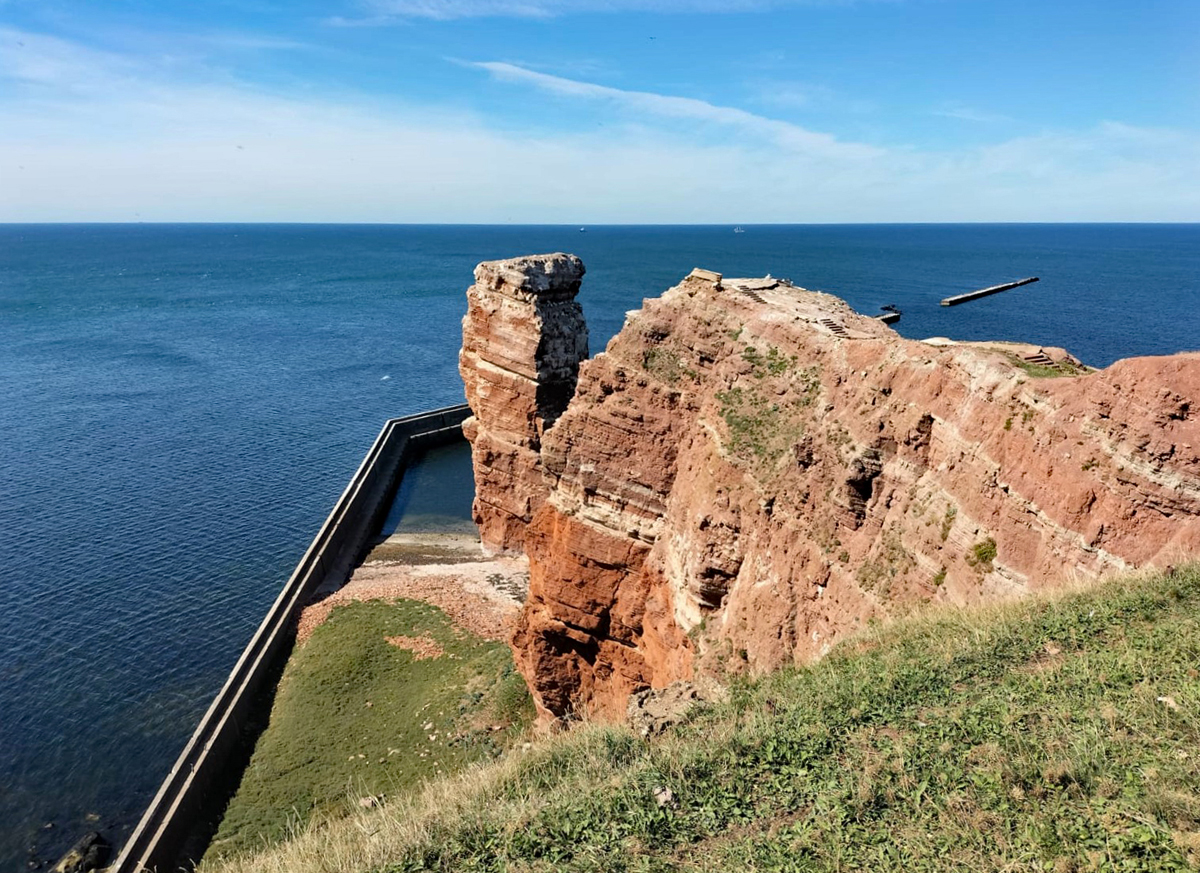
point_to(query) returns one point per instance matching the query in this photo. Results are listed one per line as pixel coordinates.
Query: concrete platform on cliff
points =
(786, 302)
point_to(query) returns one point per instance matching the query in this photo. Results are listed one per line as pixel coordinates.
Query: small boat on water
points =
(738, 229)
(583, 230)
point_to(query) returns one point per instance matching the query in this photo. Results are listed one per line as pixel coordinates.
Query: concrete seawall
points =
(157, 840)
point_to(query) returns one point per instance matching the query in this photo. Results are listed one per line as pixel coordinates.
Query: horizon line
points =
(582, 225)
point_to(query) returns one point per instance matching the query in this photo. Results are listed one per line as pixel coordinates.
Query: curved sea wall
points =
(750, 471)
(188, 790)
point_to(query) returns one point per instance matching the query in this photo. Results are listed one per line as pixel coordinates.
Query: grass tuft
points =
(1049, 371)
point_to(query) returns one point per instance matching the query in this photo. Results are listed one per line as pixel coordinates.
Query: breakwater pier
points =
(985, 292)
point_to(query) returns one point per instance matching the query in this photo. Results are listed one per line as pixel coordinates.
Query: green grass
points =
(773, 363)
(754, 424)
(760, 428)
(666, 362)
(982, 554)
(357, 717)
(1049, 371)
(1058, 734)
(948, 521)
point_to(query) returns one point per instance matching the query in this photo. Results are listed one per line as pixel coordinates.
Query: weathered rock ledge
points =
(751, 470)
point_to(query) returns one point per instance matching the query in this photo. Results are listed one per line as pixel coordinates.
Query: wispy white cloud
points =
(790, 94)
(784, 134)
(251, 42)
(32, 59)
(87, 135)
(387, 11)
(444, 10)
(37, 60)
(363, 21)
(963, 112)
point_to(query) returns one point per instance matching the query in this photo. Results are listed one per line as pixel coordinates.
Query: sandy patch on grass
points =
(423, 648)
(480, 595)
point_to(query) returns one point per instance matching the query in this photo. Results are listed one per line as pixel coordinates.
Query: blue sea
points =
(181, 405)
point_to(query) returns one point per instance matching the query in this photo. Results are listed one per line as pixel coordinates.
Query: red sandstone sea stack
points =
(751, 470)
(523, 339)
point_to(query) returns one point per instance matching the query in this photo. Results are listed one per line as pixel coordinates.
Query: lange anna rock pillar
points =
(523, 340)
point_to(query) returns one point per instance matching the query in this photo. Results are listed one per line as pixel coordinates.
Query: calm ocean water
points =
(182, 404)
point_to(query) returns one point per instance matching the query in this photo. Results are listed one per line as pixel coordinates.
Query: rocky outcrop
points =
(523, 339)
(751, 471)
(652, 711)
(90, 852)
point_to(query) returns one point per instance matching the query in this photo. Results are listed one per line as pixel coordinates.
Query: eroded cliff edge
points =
(751, 470)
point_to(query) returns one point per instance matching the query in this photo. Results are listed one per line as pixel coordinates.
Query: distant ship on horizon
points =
(738, 229)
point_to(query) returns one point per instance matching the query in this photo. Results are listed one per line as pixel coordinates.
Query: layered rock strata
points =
(751, 471)
(523, 339)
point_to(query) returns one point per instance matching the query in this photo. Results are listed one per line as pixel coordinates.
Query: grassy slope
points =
(1049, 371)
(356, 717)
(1054, 734)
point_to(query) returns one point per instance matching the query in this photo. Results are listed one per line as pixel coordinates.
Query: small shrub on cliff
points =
(948, 520)
(753, 422)
(1049, 371)
(666, 364)
(982, 555)
(890, 560)
(773, 363)
(761, 428)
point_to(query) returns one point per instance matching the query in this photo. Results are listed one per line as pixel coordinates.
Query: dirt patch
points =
(479, 594)
(1050, 658)
(423, 648)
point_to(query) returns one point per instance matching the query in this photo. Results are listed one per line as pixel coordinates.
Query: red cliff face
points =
(523, 338)
(750, 471)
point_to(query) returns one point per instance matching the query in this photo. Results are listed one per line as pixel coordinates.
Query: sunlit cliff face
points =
(750, 471)
(523, 339)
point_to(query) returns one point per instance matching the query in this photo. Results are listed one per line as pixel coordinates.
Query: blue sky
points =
(591, 111)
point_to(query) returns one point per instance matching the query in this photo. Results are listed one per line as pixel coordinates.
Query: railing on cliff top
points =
(156, 842)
